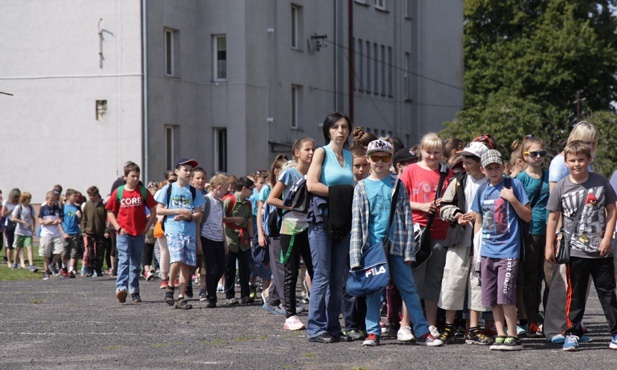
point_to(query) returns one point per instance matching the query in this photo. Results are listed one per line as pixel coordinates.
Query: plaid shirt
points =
(403, 243)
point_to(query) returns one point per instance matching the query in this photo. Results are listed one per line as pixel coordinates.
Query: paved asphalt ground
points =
(78, 324)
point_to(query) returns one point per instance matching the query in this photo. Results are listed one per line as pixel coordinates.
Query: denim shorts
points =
(182, 248)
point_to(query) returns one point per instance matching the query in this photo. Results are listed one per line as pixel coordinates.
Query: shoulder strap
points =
(579, 211)
(168, 194)
(536, 196)
(443, 172)
(392, 207)
(193, 192)
(144, 193)
(206, 208)
(120, 192)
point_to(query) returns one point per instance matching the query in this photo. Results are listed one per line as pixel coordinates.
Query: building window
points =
(220, 150)
(380, 4)
(406, 66)
(296, 97)
(390, 83)
(296, 27)
(368, 67)
(172, 52)
(375, 69)
(220, 57)
(170, 138)
(360, 54)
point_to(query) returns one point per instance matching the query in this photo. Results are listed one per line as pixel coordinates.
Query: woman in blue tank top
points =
(331, 165)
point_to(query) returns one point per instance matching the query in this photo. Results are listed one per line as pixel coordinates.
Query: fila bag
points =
(374, 274)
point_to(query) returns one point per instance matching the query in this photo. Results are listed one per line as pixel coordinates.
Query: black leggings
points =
(214, 261)
(299, 245)
(147, 255)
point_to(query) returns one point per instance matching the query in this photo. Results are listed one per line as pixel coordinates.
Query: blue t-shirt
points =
(331, 171)
(180, 198)
(500, 226)
(70, 222)
(379, 194)
(538, 197)
(264, 193)
(253, 199)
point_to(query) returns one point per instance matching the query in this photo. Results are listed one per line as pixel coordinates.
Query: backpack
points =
(297, 197)
(272, 220)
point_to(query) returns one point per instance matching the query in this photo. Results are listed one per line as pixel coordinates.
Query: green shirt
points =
(237, 235)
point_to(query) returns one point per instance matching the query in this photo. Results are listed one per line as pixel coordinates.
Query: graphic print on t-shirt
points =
(589, 231)
(425, 193)
(497, 214)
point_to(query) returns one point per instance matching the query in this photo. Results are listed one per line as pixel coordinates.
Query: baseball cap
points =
(181, 161)
(474, 148)
(379, 146)
(491, 156)
(403, 155)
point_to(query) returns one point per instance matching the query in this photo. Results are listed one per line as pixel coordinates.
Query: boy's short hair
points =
(130, 167)
(25, 196)
(93, 190)
(70, 192)
(577, 147)
(244, 182)
(358, 151)
(198, 169)
(51, 194)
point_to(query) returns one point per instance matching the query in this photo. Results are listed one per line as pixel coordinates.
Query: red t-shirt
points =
(131, 212)
(421, 186)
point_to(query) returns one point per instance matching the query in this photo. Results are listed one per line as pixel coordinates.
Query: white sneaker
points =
(404, 334)
(293, 323)
(434, 332)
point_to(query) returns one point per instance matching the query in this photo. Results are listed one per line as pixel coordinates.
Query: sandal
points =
(169, 296)
(182, 304)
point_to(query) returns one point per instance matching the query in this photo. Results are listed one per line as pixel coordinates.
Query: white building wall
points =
(49, 53)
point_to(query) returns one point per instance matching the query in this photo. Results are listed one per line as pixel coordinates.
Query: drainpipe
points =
(351, 61)
(144, 91)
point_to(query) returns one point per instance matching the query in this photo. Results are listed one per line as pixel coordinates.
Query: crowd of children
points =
(470, 243)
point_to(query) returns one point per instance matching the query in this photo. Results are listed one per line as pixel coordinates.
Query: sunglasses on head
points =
(377, 158)
(485, 139)
(539, 153)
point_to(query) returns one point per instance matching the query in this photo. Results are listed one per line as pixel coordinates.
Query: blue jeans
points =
(329, 273)
(403, 278)
(130, 249)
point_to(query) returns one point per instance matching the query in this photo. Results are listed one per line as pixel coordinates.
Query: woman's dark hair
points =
(330, 121)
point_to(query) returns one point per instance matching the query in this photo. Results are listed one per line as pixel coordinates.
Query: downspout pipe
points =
(351, 61)
(144, 91)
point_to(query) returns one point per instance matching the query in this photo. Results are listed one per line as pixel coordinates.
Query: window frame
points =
(215, 58)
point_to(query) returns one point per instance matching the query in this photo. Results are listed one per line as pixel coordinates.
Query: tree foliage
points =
(527, 61)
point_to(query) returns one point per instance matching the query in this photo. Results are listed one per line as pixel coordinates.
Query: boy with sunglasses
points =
(371, 214)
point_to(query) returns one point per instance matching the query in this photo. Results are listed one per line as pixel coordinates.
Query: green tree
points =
(527, 61)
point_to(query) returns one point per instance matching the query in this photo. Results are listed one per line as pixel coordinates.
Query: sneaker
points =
(404, 334)
(383, 327)
(64, 272)
(613, 343)
(475, 336)
(253, 291)
(15, 266)
(163, 284)
(392, 330)
(220, 288)
(447, 335)
(270, 308)
(149, 275)
(33, 268)
(72, 274)
(304, 298)
(371, 340)
(512, 344)
(203, 296)
(121, 295)
(434, 332)
(293, 323)
(533, 331)
(136, 298)
(299, 308)
(47, 275)
(498, 343)
(54, 270)
(521, 329)
(211, 303)
(188, 292)
(570, 343)
(355, 334)
(557, 339)
(232, 301)
(247, 300)
(429, 340)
